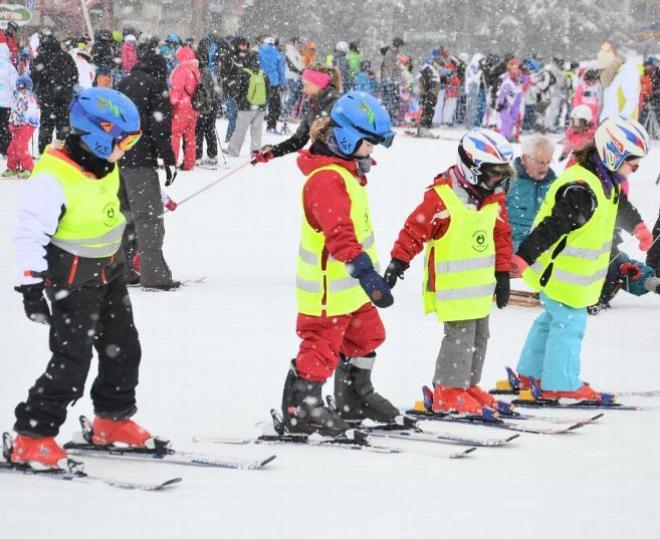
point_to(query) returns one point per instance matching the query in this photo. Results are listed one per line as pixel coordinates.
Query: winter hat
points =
(269, 40)
(24, 82)
(317, 78)
(130, 38)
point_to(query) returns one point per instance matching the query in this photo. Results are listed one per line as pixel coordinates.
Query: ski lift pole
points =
(88, 21)
(213, 183)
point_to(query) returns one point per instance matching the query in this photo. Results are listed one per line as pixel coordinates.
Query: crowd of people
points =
(90, 218)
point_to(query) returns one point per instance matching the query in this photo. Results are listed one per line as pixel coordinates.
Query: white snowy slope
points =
(214, 360)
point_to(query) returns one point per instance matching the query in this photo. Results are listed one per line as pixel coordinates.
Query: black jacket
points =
(146, 86)
(574, 206)
(318, 107)
(54, 75)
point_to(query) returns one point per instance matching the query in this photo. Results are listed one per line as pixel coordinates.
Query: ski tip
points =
(470, 450)
(267, 461)
(597, 416)
(512, 437)
(171, 482)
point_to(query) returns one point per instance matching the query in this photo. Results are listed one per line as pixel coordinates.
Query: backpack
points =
(202, 98)
(256, 94)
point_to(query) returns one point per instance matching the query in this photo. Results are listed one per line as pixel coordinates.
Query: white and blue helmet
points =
(620, 138)
(482, 147)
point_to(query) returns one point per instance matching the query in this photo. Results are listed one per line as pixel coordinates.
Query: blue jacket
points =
(272, 63)
(362, 82)
(523, 200)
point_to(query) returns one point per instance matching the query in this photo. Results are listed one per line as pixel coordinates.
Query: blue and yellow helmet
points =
(358, 116)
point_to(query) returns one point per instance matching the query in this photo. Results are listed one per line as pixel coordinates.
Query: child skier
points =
(69, 232)
(567, 254)
(338, 284)
(463, 221)
(580, 133)
(23, 120)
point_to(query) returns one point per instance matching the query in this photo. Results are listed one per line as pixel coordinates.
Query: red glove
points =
(630, 270)
(643, 234)
(261, 157)
(518, 265)
(170, 204)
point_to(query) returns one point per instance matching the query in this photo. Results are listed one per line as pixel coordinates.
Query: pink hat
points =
(317, 78)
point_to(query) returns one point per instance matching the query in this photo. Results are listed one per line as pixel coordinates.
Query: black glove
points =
(34, 302)
(373, 284)
(394, 271)
(502, 289)
(170, 175)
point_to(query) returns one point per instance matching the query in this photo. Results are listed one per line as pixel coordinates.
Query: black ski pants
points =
(88, 318)
(54, 117)
(653, 256)
(5, 135)
(429, 101)
(274, 107)
(205, 129)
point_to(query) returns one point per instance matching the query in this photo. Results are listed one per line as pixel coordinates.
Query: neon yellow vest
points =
(573, 270)
(329, 287)
(92, 224)
(464, 261)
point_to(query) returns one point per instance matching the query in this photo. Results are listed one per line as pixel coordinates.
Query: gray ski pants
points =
(144, 212)
(462, 353)
(254, 119)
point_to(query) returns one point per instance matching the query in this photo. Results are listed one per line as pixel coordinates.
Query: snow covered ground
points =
(215, 357)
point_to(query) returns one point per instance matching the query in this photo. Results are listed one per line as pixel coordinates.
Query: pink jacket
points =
(184, 79)
(587, 94)
(576, 140)
(129, 57)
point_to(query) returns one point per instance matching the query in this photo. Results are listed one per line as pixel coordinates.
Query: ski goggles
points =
(127, 141)
(385, 140)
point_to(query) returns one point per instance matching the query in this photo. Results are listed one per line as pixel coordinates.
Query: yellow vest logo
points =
(110, 214)
(480, 241)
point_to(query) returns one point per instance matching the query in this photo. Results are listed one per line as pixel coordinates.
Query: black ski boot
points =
(356, 399)
(303, 411)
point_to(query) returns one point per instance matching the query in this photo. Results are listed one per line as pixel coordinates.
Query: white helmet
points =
(482, 147)
(582, 112)
(341, 46)
(619, 138)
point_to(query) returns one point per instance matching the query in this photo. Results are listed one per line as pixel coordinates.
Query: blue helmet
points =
(24, 82)
(173, 38)
(103, 117)
(358, 116)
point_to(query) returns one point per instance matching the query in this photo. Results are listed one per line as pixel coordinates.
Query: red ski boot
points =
(486, 399)
(456, 399)
(38, 453)
(123, 431)
(584, 393)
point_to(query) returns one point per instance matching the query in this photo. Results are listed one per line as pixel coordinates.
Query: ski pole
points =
(217, 138)
(621, 252)
(214, 182)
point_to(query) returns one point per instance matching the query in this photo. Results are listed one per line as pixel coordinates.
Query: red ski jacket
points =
(430, 220)
(327, 205)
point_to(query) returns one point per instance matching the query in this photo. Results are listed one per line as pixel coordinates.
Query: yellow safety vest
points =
(92, 224)
(573, 270)
(464, 261)
(329, 287)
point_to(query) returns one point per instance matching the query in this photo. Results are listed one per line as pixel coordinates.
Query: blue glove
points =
(373, 284)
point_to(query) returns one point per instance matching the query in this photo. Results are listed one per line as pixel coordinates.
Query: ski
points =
(511, 386)
(158, 452)
(193, 280)
(311, 441)
(75, 473)
(419, 435)
(417, 134)
(422, 410)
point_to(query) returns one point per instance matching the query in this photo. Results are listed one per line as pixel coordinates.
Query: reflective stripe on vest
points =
(331, 289)
(92, 224)
(464, 261)
(574, 274)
